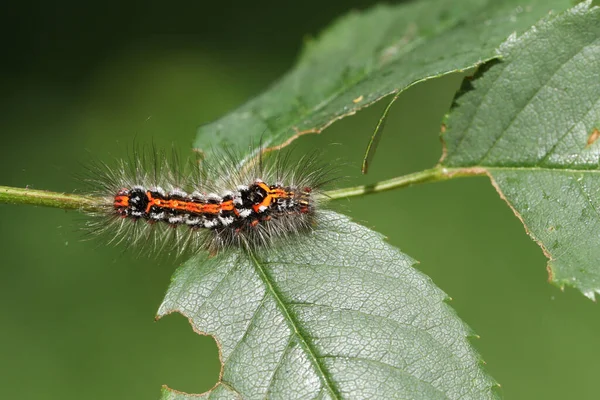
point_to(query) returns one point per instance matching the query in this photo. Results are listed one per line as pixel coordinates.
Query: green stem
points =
(10, 195)
(435, 174)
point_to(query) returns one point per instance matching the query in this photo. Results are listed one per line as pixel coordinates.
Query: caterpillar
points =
(149, 200)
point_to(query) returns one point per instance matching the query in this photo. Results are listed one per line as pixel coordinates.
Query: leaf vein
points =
(528, 101)
(387, 366)
(279, 363)
(250, 324)
(294, 324)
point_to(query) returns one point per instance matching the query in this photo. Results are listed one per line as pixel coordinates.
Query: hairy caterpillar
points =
(150, 200)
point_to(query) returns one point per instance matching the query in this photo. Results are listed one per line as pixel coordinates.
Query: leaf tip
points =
(590, 294)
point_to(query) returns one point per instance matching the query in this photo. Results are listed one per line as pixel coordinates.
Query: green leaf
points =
(341, 314)
(366, 56)
(531, 122)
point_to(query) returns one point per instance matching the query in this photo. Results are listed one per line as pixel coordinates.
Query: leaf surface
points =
(532, 122)
(341, 314)
(366, 56)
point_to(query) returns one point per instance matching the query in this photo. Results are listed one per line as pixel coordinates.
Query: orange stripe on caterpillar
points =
(218, 212)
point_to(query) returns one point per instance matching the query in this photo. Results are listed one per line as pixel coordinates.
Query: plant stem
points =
(10, 195)
(435, 174)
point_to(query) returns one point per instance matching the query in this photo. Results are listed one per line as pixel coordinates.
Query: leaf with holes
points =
(366, 56)
(341, 314)
(531, 123)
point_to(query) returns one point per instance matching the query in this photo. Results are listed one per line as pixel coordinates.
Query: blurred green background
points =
(85, 80)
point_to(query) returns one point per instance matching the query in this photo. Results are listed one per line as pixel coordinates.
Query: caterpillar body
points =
(149, 200)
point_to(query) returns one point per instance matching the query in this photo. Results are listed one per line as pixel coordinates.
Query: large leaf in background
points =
(532, 122)
(368, 55)
(341, 314)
